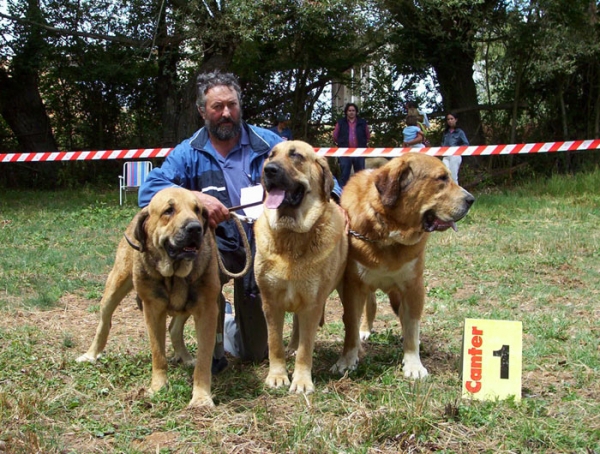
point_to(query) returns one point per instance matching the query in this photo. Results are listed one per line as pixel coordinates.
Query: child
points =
(412, 134)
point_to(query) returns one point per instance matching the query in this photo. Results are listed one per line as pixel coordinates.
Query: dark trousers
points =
(346, 165)
(249, 316)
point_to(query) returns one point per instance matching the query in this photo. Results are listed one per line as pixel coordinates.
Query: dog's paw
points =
(302, 386)
(88, 358)
(412, 368)
(347, 362)
(203, 401)
(277, 380)
(364, 335)
(159, 381)
(187, 360)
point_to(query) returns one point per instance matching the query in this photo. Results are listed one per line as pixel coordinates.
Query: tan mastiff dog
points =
(168, 256)
(301, 250)
(391, 211)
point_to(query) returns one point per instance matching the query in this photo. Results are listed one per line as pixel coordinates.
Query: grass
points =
(528, 253)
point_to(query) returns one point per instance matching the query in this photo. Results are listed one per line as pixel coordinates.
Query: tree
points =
(443, 35)
(20, 102)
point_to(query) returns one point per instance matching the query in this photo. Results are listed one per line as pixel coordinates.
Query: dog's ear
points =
(328, 182)
(140, 228)
(204, 215)
(391, 181)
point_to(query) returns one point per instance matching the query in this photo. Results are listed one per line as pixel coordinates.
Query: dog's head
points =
(171, 229)
(297, 184)
(418, 194)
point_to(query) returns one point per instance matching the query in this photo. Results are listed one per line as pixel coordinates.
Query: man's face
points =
(222, 113)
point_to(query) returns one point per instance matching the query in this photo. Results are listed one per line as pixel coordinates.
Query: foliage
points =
(121, 74)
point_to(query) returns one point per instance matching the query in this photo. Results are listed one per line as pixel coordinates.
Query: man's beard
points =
(225, 129)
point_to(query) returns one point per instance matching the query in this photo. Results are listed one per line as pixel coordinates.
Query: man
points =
(351, 132)
(281, 128)
(217, 163)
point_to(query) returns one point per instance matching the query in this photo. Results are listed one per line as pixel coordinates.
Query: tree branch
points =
(65, 32)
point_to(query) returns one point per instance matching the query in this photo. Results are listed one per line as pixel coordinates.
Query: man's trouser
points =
(251, 336)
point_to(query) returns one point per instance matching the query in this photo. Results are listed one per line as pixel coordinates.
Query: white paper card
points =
(250, 195)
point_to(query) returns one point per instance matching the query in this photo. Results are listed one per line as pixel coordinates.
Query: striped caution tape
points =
(473, 150)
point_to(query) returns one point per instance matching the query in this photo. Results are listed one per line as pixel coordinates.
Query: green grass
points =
(528, 253)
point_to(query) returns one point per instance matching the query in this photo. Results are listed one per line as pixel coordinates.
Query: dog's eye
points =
(444, 178)
(294, 155)
(169, 211)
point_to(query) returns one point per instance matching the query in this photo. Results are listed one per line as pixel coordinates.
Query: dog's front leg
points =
(155, 315)
(205, 321)
(274, 316)
(308, 323)
(409, 308)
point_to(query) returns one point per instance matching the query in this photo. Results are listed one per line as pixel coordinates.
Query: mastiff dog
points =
(392, 210)
(168, 255)
(301, 251)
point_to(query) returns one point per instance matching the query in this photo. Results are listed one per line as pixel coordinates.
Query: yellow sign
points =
(492, 359)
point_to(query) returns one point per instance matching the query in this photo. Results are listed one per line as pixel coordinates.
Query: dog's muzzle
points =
(186, 243)
(281, 190)
(432, 223)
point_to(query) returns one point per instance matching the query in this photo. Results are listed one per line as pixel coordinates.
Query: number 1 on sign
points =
(504, 354)
(492, 359)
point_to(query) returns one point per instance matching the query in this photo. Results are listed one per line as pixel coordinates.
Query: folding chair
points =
(134, 174)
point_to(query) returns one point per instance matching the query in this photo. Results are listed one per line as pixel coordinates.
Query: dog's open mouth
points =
(279, 198)
(188, 251)
(432, 223)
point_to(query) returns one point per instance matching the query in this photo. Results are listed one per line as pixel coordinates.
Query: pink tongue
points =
(274, 198)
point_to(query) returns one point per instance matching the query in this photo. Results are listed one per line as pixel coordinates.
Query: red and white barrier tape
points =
(473, 150)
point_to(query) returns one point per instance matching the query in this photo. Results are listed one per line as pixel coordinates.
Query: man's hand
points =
(217, 212)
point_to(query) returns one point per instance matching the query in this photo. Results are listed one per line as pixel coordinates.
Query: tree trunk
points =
(455, 76)
(515, 109)
(23, 110)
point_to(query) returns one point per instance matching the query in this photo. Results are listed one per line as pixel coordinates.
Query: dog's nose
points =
(469, 199)
(193, 228)
(271, 169)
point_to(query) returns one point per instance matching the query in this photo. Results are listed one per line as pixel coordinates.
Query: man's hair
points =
(350, 104)
(206, 81)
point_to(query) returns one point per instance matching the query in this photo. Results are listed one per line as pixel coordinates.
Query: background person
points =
(453, 137)
(351, 131)
(412, 134)
(281, 128)
(423, 121)
(216, 163)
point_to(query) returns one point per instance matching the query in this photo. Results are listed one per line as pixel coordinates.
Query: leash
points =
(225, 271)
(237, 219)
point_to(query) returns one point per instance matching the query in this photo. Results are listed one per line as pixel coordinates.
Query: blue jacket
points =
(190, 166)
(454, 138)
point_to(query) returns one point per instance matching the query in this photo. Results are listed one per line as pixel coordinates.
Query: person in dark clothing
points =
(351, 132)
(282, 129)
